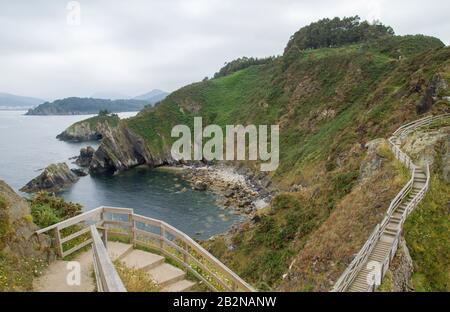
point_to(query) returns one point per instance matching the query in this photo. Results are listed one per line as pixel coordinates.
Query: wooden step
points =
(118, 251)
(141, 260)
(180, 286)
(166, 274)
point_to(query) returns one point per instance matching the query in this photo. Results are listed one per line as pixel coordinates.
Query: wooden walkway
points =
(369, 266)
(93, 228)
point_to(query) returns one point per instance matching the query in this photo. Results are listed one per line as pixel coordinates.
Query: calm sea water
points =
(28, 144)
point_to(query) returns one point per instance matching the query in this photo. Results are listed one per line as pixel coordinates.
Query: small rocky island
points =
(90, 129)
(52, 179)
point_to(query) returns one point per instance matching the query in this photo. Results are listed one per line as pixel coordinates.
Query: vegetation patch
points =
(427, 233)
(48, 209)
(135, 280)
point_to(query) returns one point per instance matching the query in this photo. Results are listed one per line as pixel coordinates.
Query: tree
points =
(327, 33)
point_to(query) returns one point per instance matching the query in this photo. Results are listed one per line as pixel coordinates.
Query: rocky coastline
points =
(237, 189)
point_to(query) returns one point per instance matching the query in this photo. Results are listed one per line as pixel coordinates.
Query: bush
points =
(47, 209)
(44, 215)
(336, 32)
(241, 63)
(344, 182)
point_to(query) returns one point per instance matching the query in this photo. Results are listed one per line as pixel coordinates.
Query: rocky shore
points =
(236, 188)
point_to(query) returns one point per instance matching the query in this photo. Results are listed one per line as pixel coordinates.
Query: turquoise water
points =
(28, 144)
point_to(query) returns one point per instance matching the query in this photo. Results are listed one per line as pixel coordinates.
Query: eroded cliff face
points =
(91, 129)
(22, 253)
(121, 149)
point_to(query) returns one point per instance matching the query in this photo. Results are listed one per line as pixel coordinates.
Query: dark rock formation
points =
(54, 178)
(90, 129)
(79, 172)
(200, 186)
(85, 157)
(121, 149)
(436, 85)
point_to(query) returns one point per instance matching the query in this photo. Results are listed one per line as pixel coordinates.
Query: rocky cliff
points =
(53, 178)
(121, 149)
(22, 254)
(91, 129)
(329, 103)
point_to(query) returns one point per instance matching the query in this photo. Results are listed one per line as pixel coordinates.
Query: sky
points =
(54, 48)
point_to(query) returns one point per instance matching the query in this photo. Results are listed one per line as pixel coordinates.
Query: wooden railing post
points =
(162, 233)
(132, 229)
(186, 249)
(58, 244)
(105, 237)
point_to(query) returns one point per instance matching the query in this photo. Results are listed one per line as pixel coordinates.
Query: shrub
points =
(44, 215)
(47, 209)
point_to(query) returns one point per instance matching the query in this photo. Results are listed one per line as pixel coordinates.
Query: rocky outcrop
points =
(22, 252)
(79, 172)
(432, 91)
(432, 147)
(373, 160)
(121, 149)
(54, 178)
(401, 269)
(85, 157)
(91, 129)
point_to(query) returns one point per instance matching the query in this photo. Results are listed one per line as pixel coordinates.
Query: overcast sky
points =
(131, 47)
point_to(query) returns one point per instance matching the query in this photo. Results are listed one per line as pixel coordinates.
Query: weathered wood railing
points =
(106, 275)
(361, 258)
(414, 125)
(147, 232)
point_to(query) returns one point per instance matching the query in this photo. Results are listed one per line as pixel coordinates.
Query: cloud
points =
(133, 46)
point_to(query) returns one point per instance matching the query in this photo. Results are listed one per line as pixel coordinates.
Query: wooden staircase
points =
(385, 244)
(165, 275)
(369, 266)
(94, 227)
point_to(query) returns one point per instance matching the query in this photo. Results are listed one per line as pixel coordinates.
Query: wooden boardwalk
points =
(93, 228)
(369, 266)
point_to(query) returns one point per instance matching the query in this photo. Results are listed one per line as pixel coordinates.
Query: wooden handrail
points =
(194, 255)
(106, 275)
(194, 245)
(355, 266)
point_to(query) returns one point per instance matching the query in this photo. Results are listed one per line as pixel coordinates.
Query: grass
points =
(4, 223)
(135, 280)
(16, 272)
(427, 233)
(112, 120)
(367, 89)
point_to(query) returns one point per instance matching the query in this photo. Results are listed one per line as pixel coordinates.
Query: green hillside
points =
(329, 102)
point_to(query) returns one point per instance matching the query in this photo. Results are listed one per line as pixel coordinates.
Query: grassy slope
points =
(326, 101)
(427, 233)
(112, 120)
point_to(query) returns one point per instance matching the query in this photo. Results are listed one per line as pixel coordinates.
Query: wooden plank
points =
(58, 243)
(107, 272)
(76, 248)
(72, 221)
(117, 210)
(111, 222)
(74, 235)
